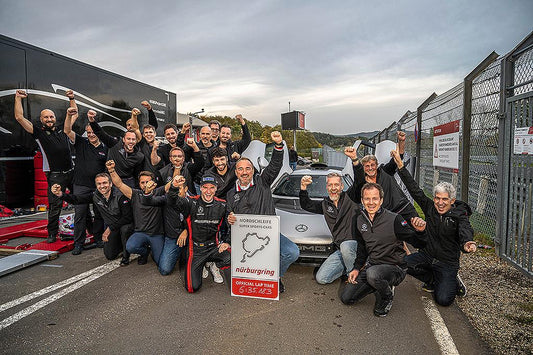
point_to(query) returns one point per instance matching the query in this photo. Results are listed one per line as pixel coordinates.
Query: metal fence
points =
(491, 102)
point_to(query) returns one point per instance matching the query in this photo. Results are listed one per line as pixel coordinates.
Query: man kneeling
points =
(379, 265)
(206, 213)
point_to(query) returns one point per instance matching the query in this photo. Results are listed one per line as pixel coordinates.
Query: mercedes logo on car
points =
(301, 228)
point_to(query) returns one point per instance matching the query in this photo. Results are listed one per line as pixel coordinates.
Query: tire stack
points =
(41, 185)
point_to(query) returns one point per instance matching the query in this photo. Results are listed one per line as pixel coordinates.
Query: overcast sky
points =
(352, 66)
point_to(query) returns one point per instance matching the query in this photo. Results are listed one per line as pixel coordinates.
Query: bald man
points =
(57, 158)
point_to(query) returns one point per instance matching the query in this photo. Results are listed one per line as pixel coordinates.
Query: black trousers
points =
(116, 242)
(54, 202)
(196, 259)
(83, 219)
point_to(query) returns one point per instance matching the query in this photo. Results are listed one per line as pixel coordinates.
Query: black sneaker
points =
(51, 239)
(461, 287)
(428, 287)
(77, 250)
(125, 261)
(281, 287)
(143, 259)
(383, 307)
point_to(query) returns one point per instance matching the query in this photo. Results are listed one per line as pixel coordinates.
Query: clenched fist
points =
(306, 181)
(276, 137)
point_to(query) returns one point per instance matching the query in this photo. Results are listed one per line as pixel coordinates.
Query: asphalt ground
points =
(133, 310)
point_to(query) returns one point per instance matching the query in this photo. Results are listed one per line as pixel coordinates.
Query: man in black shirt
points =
(116, 213)
(379, 265)
(232, 146)
(147, 220)
(222, 171)
(91, 155)
(160, 155)
(124, 152)
(57, 159)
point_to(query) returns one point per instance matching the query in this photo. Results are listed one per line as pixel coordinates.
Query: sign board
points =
(446, 145)
(523, 141)
(255, 256)
(293, 120)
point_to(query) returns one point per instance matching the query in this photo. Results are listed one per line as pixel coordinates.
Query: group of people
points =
(161, 198)
(152, 198)
(372, 222)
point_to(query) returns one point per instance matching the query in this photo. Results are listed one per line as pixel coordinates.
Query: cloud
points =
(337, 62)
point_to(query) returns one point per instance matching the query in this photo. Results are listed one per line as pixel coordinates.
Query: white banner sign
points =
(446, 145)
(523, 140)
(255, 256)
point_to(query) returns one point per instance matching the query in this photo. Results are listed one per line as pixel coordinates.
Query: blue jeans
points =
(169, 256)
(338, 263)
(293, 165)
(139, 241)
(432, 271)
(288, 253)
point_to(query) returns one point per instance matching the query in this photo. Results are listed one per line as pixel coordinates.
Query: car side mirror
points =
(262, 162)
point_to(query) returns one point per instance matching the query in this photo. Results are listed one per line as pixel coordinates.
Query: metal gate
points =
(515, 184)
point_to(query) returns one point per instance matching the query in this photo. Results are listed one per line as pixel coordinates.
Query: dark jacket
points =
(116, 211)
(205, 219)
(225, 182)
(127, 165)
(189, 171)
(175, 211)
(257, 199)
(393, 200)
(448, 233)
(381, 241)
(232, 146)
(339, 219)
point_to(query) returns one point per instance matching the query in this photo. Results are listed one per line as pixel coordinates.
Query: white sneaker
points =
(205, 273)
(216, 274)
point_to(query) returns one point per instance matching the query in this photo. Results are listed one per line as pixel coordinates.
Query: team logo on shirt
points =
(404, 223)
(200, 210)
(330, 209)
(237, 197)
(364, 227)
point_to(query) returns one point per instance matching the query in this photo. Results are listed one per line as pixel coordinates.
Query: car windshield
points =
(290, 186)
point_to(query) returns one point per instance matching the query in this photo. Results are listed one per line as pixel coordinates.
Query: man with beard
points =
(252, 195)
(338, 209)
(116, 212)
(222, 171)
(232, 146)
(91, 155)
(147, 220)
(449, 233)
(379, 265)
(160, 155)
(127, 156)
(57, 158)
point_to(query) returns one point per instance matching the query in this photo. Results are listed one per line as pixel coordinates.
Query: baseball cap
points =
(208, 179)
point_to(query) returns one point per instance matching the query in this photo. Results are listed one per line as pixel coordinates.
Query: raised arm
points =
(246, 138)
(151, 115)
(69, 121)
(276, 162)
(117, 181)
(133, 123)
(19, 111)
(99, 132)
(414, 190)
(305, 202)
